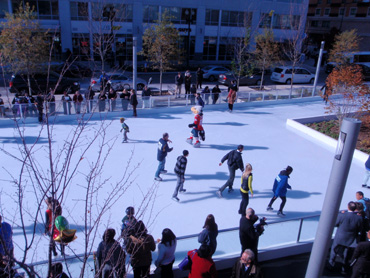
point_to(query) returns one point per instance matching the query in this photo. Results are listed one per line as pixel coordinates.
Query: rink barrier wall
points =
(298, 239)
(299, 127)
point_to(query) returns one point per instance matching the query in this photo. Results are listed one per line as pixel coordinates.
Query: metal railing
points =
(22, 110)
(277, 234)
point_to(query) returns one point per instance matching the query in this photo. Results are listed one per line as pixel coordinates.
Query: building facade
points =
(325, 18)
(214, 24)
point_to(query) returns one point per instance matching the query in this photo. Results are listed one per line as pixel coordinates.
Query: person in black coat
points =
(187, 82)
(361, 259)
(248, 234)
(110, 257)
(349, 226)
(133, 101)
(40, 106)
(178, 82)
(215, 94)
(102, 97)
(199, 78)
(234, 161)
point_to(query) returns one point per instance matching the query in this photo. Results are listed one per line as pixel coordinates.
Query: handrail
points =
(193, 236)
(270, 223)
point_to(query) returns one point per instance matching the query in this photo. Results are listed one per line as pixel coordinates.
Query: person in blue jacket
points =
(163, 149)
(280, 189)
(366, 182)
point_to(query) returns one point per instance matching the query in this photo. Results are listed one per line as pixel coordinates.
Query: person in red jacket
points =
(202, 263)
(197, 127)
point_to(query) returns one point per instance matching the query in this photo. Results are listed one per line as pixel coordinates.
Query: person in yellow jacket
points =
(246, 186)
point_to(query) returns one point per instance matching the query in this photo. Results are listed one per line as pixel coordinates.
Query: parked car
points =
(284, 75)
(226, 78)
(212, 72)
(119, 82)
(74, 71)
(42, 82)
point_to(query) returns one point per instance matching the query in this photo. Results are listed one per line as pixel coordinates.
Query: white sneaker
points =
(176, 199)
(158, 178)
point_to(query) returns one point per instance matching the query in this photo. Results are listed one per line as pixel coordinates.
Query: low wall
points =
(298, 126)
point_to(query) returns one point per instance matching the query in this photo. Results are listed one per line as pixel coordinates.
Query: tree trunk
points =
(262, 76)
(160, 80)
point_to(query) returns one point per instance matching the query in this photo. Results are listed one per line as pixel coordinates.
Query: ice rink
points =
(268, 145)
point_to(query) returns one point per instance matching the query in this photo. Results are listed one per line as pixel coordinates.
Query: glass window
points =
(45, 9)
(212, 17)
(124, 48)
(368, 12)
(81, 46)
(79, 11)
(3, 8)
(111, 12)
(314, 23)
(328, 1)
(209, 48)
(326, 11)
(150, 14)
(353, 11)
(317, 11)
(319, 1)
(265, 21)
(174, 13)
(341, 11)
(226, 47)
(186, 14)
(232, 18)
(326, 24)
(284, 21)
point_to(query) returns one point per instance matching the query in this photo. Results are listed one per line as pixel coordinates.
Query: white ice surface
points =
(269, 147)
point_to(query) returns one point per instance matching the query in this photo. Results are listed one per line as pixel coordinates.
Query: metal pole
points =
(188, 52)
(134, 62)
(318, 68)
(333, 197)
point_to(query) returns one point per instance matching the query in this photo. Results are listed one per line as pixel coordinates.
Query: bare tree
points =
(266, 53)
(294, 26)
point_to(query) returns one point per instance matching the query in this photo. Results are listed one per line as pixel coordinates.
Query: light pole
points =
(189, 13)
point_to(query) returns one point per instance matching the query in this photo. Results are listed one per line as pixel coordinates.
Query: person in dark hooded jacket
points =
(179, 170)
(110, 257)
(163, 149)
(280, 189)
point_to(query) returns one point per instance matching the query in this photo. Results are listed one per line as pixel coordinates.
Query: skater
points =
(163, 149)
(245, 187)
(125, 129)
(197, 127)
(231, 97)
(234, 162)
(280, 188)
(199, 101)
(180, 173)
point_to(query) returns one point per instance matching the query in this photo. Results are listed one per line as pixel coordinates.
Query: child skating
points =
(197, 128)
(125, 129)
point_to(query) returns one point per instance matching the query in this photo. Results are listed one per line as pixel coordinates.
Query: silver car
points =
(285, 75)
(120, 81)
(212, 72)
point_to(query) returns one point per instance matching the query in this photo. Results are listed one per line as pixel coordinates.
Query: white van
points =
(284, 75)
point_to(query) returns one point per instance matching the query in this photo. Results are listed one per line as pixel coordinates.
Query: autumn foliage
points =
(346, 83)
